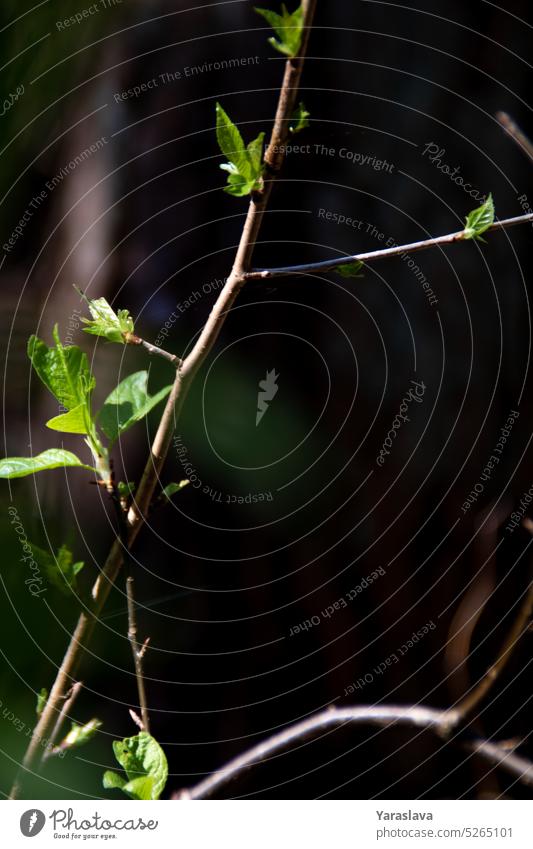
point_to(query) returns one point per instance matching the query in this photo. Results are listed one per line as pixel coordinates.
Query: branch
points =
(330, 718)
(516, 133)
(384, 253)
(520, 626)
(184, 376)
(440, 722)
(138, 654)
(70, 698)
(153, 350)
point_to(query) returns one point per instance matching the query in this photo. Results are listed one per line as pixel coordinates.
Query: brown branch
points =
(440, 722)
(138, 654)
(153, 350)
(184, 376)
(466, 707)
(516, 133)
(384, 253)
(70, 698)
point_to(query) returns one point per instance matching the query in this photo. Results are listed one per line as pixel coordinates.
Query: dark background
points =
(144, 223)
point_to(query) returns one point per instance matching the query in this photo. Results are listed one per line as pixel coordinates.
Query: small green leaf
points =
(288, 27)
(350, 269)
(245, 165)
(145, 765)
(80, 734)
(42, 698)
(64, 371)
(75, 421)
(53, 458)
(231, 142)
(59, 568)
(299, 119)
(479, 220)
(125, 489)
(128, 403)
(172, 488)
(113, 781)
(115, 327)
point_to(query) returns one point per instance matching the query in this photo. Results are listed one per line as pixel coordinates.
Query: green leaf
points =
(113, 781)
(42, 698)
(64, 371)
(479, 220)
(299, 119)
(231, 143)
(128, 403)
(172, 488)
(80, 734)
(115, 327)
(350, 269)
(288, 27)
(125, 489)
(145, 765)
(75, 421)
(245, 165)
(53, 458)
(59, 568)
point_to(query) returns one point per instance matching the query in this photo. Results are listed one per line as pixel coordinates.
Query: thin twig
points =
(498, 755)
(332, 717)
(516, 133)
(384, 253)
(138, 654)
(63, 715)
(465, 707)
(153, 350)
(184, 376)
(439, 722)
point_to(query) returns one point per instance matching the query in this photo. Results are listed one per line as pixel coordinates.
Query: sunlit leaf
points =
(128, 403)
(115, 327)
(145, 765)
(63, 370)
(287, 26)
(53, 458)
(299, 119)
(75, 421)
(350, 269)
(479, 220)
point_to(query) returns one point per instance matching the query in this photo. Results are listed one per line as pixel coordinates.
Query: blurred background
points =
(110, 181)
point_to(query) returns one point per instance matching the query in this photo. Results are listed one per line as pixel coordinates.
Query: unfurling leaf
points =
(80, 734)
(479, 220)
(125, 489)
(54, 458)
(42, 698)
(145, 765)
(66, 373)
(299, 119)
(127, 404)
(59, 568)
(245, 163)
(350, 269)
(287, 26)
(115, 327)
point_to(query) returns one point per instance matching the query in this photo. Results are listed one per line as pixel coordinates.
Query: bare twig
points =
(442, 723)
(332, 717)
(138, 654)
(516, 133)
(465, 708)
(384, 253)
(500, 756)
(70, 698)
(184, 376)
(153, 350)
